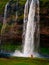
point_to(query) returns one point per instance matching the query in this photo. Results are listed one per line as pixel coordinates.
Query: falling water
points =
(25, 19)
(6, 15)
(26, 12)
(32, 20)
(4, 20)
(29, 37)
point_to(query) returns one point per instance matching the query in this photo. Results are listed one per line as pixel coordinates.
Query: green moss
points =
(3, 3)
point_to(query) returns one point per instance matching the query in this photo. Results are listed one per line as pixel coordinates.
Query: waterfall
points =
(29, 37)
(4, 20)
(33, 22)
(30, 30)
(26, 12)
(25, 20)
(7, 14)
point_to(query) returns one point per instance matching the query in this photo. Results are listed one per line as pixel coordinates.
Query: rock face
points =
(44, 24)
(14, 28)
(14, 18)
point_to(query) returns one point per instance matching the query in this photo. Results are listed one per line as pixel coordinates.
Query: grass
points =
(23, 61)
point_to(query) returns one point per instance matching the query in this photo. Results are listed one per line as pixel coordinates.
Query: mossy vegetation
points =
(3, 3)
(44, 50)
(23, 61)
(10, 47)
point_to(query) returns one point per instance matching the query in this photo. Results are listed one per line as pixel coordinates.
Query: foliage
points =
(3, 3)
(7, 46)
(44, 3)
(44, 50)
